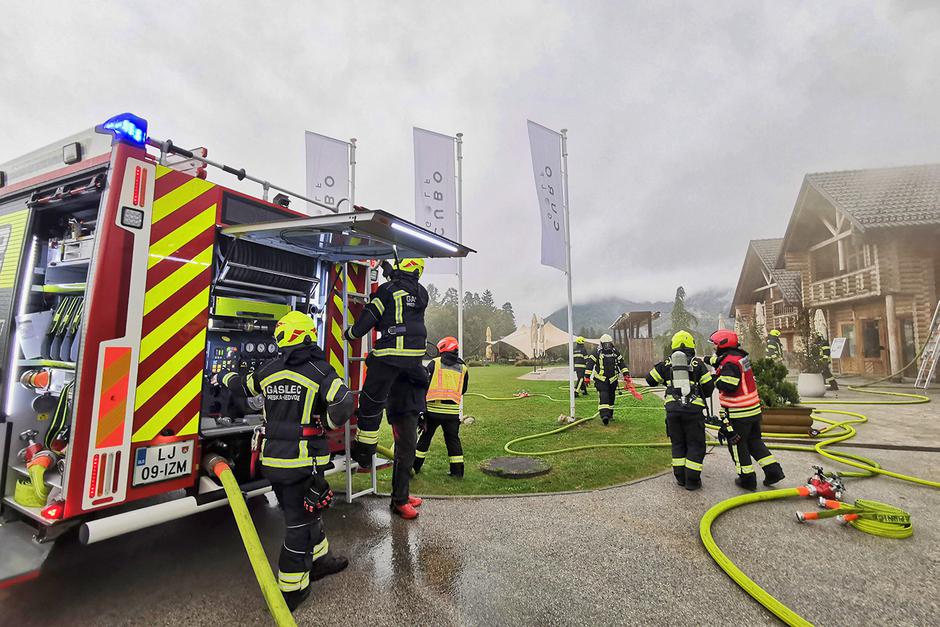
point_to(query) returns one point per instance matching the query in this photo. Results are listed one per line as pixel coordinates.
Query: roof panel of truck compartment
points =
(350, 236)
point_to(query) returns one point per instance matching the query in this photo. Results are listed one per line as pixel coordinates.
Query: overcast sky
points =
(691, 124)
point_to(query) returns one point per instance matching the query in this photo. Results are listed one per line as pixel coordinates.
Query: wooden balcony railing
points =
(845, 287)
(785, 316)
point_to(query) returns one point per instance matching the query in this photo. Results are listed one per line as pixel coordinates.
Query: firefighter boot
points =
(679, 472)
(405, 510)
(328, 565)
(692, 484)
(362, 453)
(456, 470)
(833, 386)
(747, 482)
(294, 598)
(773, 473)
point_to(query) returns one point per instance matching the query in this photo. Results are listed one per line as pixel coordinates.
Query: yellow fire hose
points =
(868, 516)
(259, 561)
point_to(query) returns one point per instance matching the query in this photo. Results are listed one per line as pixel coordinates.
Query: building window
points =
(871, 339)
(848, 332)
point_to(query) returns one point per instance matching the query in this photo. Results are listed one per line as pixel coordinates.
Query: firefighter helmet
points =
(410, 265)
(448, 345)
(579, 339)
(724, 338)
(682, 339)
(775, 332)
(606, 339)
(295, 328)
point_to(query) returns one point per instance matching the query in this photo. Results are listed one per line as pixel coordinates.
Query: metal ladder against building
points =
(365, 347)
(931, 356)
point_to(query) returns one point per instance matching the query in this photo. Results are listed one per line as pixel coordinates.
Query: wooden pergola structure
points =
(633, 335)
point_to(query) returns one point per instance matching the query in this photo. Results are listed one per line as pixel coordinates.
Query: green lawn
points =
(497, 422)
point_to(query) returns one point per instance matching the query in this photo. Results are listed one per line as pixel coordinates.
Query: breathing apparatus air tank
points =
(681, 377)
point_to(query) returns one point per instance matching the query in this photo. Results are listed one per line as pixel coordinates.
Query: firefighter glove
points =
(362, 453)
(348, 335)
(729, 434)
(319, 495)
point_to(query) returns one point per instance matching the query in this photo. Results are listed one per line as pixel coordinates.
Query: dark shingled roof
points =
(885, 197)
(789, 281)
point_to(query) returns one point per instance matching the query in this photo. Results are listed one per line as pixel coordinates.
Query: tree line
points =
(479, 311)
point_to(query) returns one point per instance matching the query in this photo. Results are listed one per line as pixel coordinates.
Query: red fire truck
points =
(127, 280)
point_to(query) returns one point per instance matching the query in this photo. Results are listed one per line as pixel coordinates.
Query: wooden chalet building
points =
(863, 246)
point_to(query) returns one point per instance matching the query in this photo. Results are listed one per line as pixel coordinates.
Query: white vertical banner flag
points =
(327, 173)
(436, 191)
(546, 165)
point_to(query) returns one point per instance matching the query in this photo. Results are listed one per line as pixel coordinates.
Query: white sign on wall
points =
(546, 167)
(327, 173)
(436, 191)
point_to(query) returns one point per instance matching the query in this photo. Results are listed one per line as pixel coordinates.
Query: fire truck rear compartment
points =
(59, 229)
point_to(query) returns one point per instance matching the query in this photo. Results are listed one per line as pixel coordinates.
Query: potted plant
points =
(810, 382)
(779, 398)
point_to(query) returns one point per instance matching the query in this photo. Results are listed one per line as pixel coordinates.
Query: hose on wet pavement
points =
(870, 517)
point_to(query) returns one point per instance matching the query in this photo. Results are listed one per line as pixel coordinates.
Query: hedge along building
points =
(866, 245)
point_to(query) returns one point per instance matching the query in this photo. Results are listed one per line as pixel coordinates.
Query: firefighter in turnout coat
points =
(396, 311)
(303, 399)
(606, 366)
(449, 379)
(580, 366)
(740, 404)
(688, 384)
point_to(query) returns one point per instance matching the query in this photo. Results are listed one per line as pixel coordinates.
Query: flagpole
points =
(460, 239)
(564, 161)
(352, 173)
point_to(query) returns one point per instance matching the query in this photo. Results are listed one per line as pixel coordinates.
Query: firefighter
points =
(303, 399)
(580, 366)
(396, 311)
(606, 367)
(825, 362)
(774, 345)
(449, 379)
(406, 410)
(688, 384)
(740, 404)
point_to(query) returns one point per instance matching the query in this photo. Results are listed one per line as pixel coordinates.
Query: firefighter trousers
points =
(752, 448)
(828, 377)
(405, 433)
(580, 387)
(606, 397)
(686, 431)
(381, 377)
(450, 425)
(304, 538)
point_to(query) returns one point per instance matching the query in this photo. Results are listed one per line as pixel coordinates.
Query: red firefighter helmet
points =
(447, 345)
(724, 338)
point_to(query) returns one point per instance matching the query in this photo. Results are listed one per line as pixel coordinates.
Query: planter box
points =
(787, 416)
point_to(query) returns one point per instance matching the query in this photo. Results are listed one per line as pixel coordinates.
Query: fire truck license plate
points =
(158, 463)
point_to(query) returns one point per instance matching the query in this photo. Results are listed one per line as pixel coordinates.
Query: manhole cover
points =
(515, 467)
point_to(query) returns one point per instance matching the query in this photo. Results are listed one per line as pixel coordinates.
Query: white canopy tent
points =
(534, 342)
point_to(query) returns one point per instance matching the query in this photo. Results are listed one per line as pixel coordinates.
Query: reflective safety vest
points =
(744, 401)
(608, 366)
(446, 387)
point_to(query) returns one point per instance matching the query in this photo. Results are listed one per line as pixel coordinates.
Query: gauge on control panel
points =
(250, 347)
(272, 348)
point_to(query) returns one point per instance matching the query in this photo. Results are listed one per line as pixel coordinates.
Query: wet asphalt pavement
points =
(628, 555)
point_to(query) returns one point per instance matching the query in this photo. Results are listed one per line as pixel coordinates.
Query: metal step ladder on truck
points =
(128, 279)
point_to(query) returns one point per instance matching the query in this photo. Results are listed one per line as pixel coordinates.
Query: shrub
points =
(774, 389)
(473, 363)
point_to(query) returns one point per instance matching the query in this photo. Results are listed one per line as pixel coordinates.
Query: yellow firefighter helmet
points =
(410, 265)
(295, 328)
(682, 339)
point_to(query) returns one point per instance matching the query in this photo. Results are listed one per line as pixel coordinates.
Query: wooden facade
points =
(875, 275)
